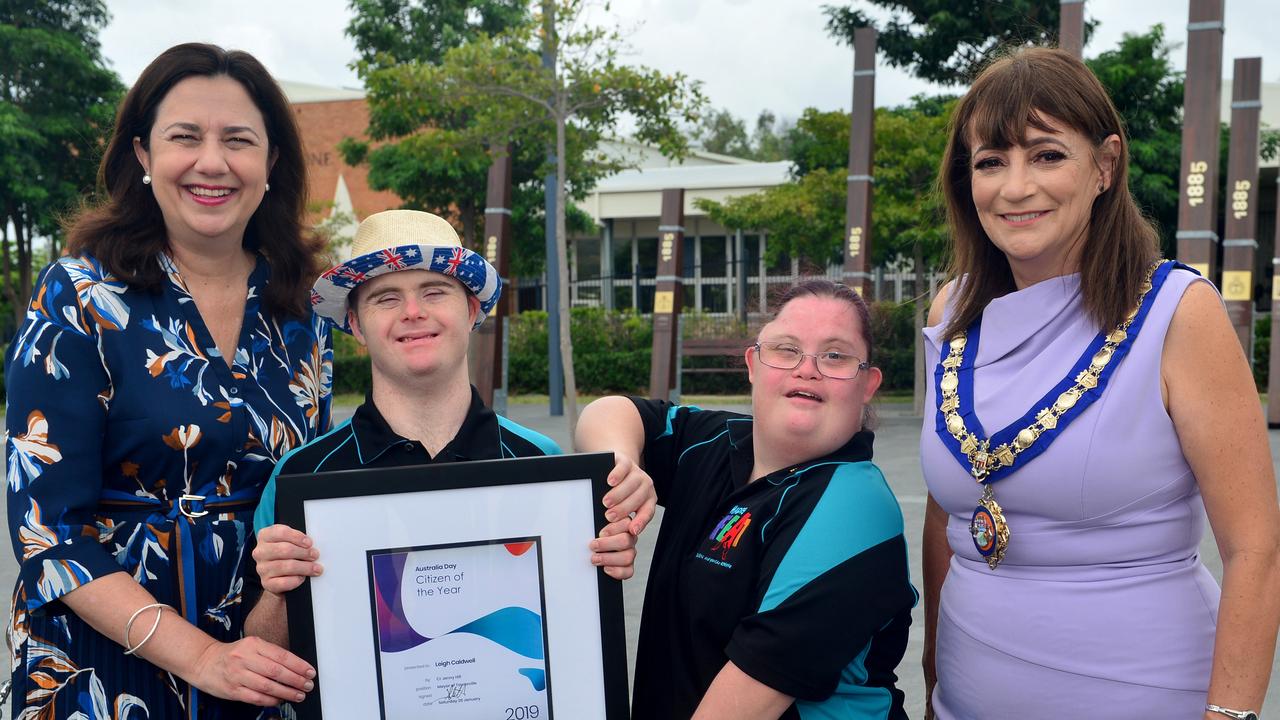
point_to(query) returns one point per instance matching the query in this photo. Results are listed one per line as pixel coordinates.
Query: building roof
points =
(697, 177)
(638, 192)
(300, 92)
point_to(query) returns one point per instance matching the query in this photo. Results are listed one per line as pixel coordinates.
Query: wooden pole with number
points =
(668, 296)
(1197, 206)
(1071, 26)
(1241, 230)
(857, 229)
(488, 344)
(1273, 381)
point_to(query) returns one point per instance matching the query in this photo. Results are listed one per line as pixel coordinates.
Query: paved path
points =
(896, 453)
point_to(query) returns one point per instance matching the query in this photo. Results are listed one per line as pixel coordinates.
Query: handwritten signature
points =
(453, 692)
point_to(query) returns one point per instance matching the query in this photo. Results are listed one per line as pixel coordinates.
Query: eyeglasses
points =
(835, 365)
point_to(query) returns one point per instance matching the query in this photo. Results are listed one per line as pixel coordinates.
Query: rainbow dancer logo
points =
(728, 532)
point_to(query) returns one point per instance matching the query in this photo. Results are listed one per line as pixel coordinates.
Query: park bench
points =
(715, 347)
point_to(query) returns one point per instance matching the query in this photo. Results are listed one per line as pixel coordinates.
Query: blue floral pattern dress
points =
(132, 446)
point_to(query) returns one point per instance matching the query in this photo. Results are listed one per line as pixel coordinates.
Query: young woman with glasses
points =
(779, 585)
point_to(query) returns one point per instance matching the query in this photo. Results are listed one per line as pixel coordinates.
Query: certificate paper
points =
(375, 640)
(459, 630)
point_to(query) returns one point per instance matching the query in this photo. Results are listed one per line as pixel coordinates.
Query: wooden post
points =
(668, 296)
(1197, 203)
(1071, 26)
(489, 342)
(1273, 382)
(1241, 230)
(857, 229)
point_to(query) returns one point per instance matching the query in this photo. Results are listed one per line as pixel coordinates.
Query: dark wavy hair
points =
(1021, 89)
(126, 231)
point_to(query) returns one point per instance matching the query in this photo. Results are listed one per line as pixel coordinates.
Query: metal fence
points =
(716, 296)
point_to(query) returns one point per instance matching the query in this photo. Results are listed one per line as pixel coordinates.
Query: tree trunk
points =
(917, 322)
(562, 260)
(6, 266)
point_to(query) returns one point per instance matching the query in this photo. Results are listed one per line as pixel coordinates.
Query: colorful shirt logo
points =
(728, 532)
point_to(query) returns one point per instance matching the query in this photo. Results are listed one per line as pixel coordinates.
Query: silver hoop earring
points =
(146, 179)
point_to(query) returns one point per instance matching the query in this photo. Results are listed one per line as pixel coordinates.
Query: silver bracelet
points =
(128, 626)
(1237, 714)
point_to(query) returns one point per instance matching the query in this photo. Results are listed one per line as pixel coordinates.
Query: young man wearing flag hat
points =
(411, 294)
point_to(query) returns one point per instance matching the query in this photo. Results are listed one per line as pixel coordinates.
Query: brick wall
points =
(323, 126)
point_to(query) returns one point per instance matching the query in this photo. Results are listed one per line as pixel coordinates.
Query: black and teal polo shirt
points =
(367, 441)
(800, 578)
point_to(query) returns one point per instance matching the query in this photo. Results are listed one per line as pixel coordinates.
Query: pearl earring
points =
(146, 179)
(266, 186)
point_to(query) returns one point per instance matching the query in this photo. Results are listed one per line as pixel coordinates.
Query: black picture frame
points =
(294, 492)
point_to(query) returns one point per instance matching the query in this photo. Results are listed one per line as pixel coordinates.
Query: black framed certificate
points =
(461, 590)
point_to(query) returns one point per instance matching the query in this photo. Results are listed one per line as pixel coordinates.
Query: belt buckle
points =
(182, 506)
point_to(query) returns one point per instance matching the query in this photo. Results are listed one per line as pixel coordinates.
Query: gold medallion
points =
(988, 526)
(989, 529)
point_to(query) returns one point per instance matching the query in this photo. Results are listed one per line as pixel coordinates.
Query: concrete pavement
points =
(897, 440)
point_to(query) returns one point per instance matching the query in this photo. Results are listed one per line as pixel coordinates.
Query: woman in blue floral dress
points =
(162, 369)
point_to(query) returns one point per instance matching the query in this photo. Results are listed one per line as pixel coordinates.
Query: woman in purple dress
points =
(1089, 405)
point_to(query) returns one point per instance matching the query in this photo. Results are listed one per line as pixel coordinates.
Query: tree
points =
(806, 217)
(945, 41)
(721, 132)
(57, 100)
(390, 32)
(419, 156)
(503, 85)
(422, 147)
(1147, 92)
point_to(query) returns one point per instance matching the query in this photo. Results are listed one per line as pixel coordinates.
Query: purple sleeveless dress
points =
(1101, 607)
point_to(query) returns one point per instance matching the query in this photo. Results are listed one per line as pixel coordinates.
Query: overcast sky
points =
(751, 55)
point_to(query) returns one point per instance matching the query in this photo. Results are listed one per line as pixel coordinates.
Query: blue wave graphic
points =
(515, 628)
(537, 677)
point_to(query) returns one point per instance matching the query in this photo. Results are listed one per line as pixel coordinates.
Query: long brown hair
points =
(1022, 89)
(126, 229)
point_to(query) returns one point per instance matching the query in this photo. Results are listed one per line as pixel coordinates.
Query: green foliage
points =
(820, 140)
(1269, 143)
(947, 42)
(893, 338)
(57, 101)
(352, 375)
(803, 217)
(721, 132)
(806, 217)
(345, 345)
(1147, 91)
(389, 32)
(450, 83)
(613, 351)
